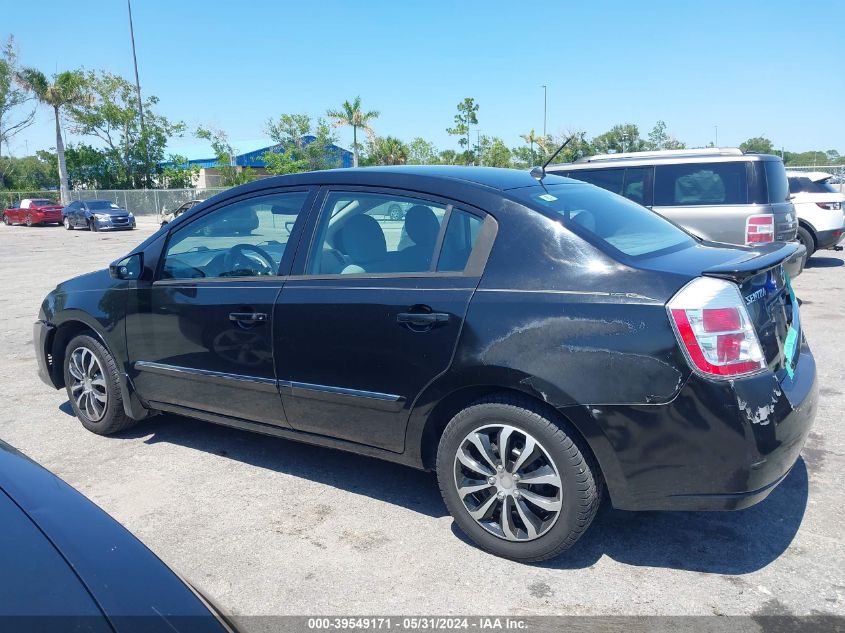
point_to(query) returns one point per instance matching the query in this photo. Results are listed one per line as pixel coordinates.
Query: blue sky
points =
(753, 67)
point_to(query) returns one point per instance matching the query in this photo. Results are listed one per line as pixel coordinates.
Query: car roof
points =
(665, 157)
(490, 177)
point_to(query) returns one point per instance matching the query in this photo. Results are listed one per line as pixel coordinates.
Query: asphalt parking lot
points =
(268, 526)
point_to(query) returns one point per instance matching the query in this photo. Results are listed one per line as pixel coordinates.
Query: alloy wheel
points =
(29, 220)
(89, 383)
(508, 482)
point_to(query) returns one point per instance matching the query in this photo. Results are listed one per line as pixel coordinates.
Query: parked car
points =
(718, 194)
(534, 344)
(67, 565)
(820, 207)
(97, 215)
(169, 216)
(33, 212)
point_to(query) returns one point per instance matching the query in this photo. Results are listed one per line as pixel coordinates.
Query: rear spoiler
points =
(760, 259)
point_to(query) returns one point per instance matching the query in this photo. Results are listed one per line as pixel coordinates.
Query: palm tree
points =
(388, 150)
(351, 114)
(66, 89)
(530, 138)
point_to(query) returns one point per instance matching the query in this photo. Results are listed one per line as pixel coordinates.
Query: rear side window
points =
(610, 179)
(701, 184)
(776, 181)
(458, 241)
(619, 223)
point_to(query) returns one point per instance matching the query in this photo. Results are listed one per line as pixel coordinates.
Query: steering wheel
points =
(237, 260)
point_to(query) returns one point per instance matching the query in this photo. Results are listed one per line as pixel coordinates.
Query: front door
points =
(200, 337)
(376, 314)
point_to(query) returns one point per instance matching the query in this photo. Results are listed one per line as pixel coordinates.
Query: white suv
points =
(820, 208)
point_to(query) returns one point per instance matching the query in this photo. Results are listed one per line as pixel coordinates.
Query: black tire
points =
(6, 220)
(394, 212)
(581, 485)
(29, 220)
(113, 418)
(67, 223)
(92, 226)
(806, 238)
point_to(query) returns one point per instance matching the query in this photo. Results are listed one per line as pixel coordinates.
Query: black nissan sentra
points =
(533, 340)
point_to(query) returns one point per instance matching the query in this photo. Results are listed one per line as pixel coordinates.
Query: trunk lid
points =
(769, 300)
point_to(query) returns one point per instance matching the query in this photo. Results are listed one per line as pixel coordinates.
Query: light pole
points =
(138, 86)
(716, 144)
(545, 103)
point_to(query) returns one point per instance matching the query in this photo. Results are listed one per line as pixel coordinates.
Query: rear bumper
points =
(42, 338)
(47, 216)
(827, 239)
(716, 446)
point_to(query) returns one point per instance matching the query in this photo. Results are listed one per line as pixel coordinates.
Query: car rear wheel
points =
(67, 224)
(806, 238)
(92, 226)
(28, 220)
(517, 481)
(93, 386)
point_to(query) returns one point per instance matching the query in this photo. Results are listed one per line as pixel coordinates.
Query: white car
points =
(820, 207)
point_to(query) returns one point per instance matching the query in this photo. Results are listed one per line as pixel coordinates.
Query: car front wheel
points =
(93, 386)
(516, 481)
(67, 224)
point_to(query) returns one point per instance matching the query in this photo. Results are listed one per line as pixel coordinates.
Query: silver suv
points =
(718, 194)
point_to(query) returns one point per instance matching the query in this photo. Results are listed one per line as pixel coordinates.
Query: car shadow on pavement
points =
(737, 542)
(375, 478)
(824, 262)
(709, 542)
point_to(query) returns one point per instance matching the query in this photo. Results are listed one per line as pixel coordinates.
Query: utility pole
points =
(717, 136)
(138, 84)
(545, 104)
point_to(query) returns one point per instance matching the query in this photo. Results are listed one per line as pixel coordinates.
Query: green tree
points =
(620, 138)
(351, 115)
(466, 116)
(66, 89)
(32, 173)
(178, 173)
(492, 152)
(758, 145)
(448, 157)
(111, 114)
(387, 150)
(14, 118)
(660, 139)
(224, 154)
(421, 152)
(531, 139)
(301, 145)
(90, 167)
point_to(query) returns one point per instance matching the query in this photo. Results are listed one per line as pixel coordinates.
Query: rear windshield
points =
(776, 181)
(616, 221)
(41, 202)
(690, 184)
(101, 204)
(802, 184)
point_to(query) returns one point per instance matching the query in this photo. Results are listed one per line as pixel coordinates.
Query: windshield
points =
(96, 205)
(41, 202)
(618, 222)
(802, 184)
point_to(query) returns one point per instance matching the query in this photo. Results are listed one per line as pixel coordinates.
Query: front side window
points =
(700, 184)
(247, 238)
(616, 221)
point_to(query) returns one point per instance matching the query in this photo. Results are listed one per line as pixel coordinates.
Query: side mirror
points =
(128, 267)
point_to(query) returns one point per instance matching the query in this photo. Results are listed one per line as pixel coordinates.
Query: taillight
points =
(830, 206)
(759, 229)
(714, 329)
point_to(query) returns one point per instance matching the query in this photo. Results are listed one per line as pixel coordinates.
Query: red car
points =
(33, 211)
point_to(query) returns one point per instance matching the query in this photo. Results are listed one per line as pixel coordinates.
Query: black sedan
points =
(97, 215)
(534, 341)
(65, 565)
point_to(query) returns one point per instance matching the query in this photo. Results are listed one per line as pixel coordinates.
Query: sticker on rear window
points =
(547, 197)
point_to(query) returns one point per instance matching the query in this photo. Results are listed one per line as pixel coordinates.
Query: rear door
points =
(376, 310)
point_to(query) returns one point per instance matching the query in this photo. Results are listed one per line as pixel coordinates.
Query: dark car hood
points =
(97, 280)
(93, 556)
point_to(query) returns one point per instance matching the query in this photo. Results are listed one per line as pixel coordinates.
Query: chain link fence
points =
(141, 202)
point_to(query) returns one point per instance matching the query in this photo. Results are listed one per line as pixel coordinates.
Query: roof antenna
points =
(538, 173)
